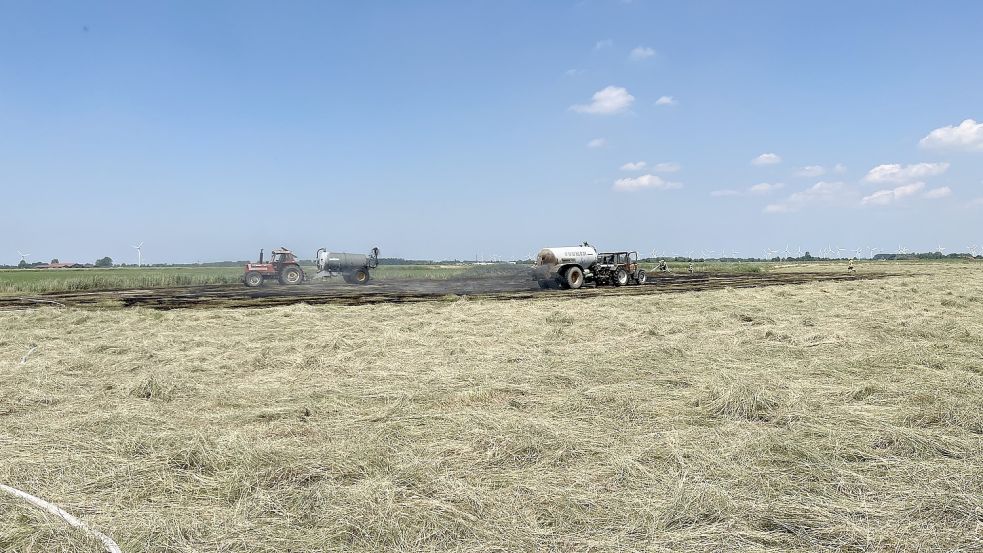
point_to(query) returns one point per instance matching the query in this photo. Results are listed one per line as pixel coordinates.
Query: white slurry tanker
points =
(572, 266)
(353, 267)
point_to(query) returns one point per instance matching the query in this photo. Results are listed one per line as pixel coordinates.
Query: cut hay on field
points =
(831, 415)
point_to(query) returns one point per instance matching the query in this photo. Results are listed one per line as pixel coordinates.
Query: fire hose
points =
(106, 541)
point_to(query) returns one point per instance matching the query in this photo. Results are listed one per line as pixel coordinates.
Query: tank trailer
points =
(572, 267)
(353, 267)
(285, 268)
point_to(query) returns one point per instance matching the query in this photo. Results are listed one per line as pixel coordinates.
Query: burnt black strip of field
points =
(515, 285)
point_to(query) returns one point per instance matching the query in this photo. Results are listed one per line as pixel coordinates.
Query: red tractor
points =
(283, 266)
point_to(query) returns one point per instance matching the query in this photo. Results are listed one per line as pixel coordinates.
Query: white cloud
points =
(820, 193)
(636, 166)
(602, 44)
(640, 53)
(667, 167)
(644, 181)
(759, 189)
(975, 202)
(892, 195)
(968, 135)
(609, 100)
(666, 101)
(897, 173)
(573, 72)
(937, 193)
(766, 159)
(811, 171)
(597, 143)
(839, 168)
(765, 188)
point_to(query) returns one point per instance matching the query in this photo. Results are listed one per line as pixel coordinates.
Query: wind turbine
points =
(941, 250)
(23, 256)
(139, 250)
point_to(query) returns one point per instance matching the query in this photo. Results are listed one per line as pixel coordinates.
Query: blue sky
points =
(456, 129)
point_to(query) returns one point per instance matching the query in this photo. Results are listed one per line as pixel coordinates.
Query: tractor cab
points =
(282, 256)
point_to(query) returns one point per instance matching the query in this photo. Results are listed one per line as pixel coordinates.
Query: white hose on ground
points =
(107, 542)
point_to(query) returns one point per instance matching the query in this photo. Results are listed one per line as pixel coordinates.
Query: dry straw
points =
(825, 416)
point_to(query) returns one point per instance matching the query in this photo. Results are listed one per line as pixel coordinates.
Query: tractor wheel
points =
(360, 276)
(291, 275)
(620, 277)
(253, 279)
(573, 278)
(640, 276)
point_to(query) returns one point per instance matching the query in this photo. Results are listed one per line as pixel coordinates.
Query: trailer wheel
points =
(620, 277)
(573, 278)
(360, 276)
(253, 279)
(291, 275)
(640, 276)
(544, 284)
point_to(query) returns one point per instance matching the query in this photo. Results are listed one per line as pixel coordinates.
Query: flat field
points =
(41, 281)
(840, 415)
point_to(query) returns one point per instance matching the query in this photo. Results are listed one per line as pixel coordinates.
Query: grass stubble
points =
(839, 416)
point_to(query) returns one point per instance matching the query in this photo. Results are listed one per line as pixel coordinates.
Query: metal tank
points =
(353, 267)
(564, 265)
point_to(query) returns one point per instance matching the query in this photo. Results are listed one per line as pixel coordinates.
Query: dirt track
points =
(500, 286)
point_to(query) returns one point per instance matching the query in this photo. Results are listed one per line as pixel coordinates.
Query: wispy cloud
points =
(648, 181)
(607, 101)
(767, 159)
(937, 193)
(667, 167)
(892, 195)
(821, 193)
(967, 135)
(597, 143)
(634, 166)
(897, 173)
(573, 72)
(640, 53)
(811, 171)
(602, 44)
(666, 101)
(765, 188)
(760, 189)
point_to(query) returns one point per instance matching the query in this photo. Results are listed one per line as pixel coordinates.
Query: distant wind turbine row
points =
(138, 248)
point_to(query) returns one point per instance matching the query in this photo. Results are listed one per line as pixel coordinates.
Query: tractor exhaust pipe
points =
(260, 255)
